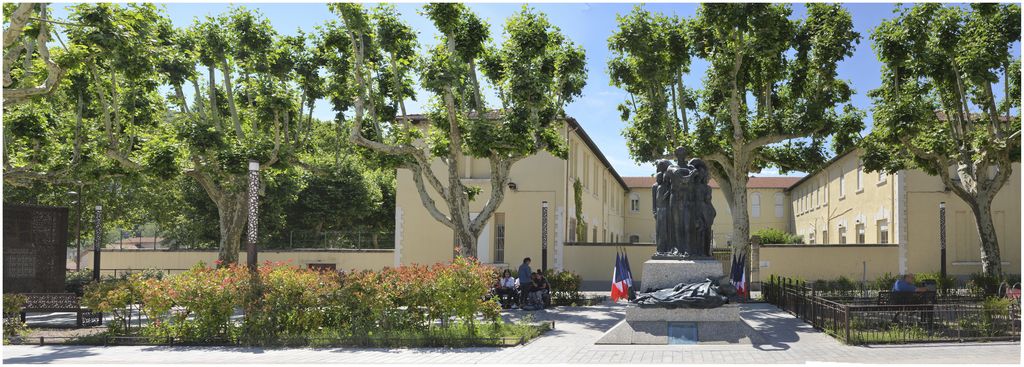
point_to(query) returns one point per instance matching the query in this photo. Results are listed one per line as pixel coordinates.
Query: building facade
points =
(841, 211)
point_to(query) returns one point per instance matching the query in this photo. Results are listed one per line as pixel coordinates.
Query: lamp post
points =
(254, 210)
(97, 243)
(942, 239)
(544, 235)
(78, 228)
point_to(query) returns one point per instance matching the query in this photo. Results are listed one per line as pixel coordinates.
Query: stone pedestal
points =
(651, 325)
(660, 274)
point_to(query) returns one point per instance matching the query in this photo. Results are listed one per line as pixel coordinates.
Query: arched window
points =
(755, 203)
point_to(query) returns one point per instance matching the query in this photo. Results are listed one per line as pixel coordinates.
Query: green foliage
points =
(984, 283)
(774, 236)
(13, 327)
(565, 286)
(75, 281)
(581, 225)
(949, 282)
(885, 282)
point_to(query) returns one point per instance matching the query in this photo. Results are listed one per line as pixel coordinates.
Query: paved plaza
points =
(572, 341)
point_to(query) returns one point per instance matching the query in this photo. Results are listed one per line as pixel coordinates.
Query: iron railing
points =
(950, 317)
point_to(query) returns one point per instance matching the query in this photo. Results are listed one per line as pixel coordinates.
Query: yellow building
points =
(844, 205)
(860, 224)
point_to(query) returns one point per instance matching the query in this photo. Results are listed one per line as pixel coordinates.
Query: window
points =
(755, 203)
(778, 205)
(842, 235)
(824, 236)
(572, 229)
(594, 236)
(881, 177)
(499, 238)
(634, 202)
(604, 235)
(860, 232)
(586, 172)
(842, 184)
(634, 238)
(810, 236)
(826, 188)
(883, 231)
(860, 176)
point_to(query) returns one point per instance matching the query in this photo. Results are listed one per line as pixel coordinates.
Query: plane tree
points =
(536, 71)
(771, 96)
(937, 109)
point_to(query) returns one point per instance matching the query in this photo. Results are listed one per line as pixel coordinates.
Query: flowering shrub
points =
(283, 302)
(115, 297)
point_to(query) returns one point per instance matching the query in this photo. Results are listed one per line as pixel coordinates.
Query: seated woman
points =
(506, 289)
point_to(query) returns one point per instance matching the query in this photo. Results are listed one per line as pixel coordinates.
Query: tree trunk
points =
(738, 209)
(991, 262)
(232, 212)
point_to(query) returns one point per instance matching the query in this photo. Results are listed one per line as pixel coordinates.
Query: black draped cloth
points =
(705, 294)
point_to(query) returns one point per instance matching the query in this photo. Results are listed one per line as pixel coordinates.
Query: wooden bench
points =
(61, 302)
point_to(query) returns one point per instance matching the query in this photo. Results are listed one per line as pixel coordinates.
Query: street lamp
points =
(254, 211)
(78, 228)
(544, 235)
(96, 243)
(942, 239)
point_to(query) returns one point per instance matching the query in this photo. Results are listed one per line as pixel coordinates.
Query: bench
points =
(922, 303)
(61, 302)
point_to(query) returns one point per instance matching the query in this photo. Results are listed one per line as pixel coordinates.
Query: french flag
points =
(738, 275)
(620, 286)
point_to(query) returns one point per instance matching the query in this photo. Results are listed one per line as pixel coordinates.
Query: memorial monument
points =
(686, 293)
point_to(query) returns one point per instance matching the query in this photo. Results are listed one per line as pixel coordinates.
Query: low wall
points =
(594, 261)
(184, 259)
(814, 262)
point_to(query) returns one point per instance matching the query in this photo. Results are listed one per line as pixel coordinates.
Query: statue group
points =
(682, 208)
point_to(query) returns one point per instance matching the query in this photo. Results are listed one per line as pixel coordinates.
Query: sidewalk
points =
(572, 341)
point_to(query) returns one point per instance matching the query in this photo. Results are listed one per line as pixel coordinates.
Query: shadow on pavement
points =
(53, 354)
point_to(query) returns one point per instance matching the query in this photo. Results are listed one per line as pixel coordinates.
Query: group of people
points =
(528, 290)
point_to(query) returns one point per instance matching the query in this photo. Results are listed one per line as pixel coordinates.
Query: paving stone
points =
(791, 341)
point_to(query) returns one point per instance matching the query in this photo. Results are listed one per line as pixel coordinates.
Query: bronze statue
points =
(662, 198)
(682, 208)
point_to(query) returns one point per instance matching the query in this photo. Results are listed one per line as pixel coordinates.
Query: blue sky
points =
(588, 25)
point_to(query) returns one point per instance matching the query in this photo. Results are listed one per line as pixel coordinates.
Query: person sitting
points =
(506, 289)
(904, 291)
(540, 292)
(906, 284)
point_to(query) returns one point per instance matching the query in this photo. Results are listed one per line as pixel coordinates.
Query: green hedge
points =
(772, 236)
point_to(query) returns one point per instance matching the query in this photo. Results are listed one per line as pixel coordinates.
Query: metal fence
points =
(951, 317)
(307, 239)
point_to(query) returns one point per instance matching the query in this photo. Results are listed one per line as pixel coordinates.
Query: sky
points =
(588, 25)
